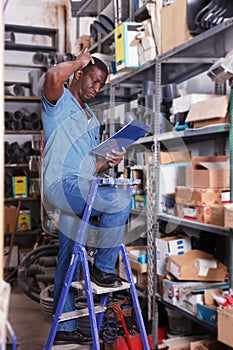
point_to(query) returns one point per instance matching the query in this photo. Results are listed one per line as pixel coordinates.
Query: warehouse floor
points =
(31, 326)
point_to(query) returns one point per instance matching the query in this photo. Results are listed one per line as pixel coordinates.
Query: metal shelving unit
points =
(50, 32)
(176, 66)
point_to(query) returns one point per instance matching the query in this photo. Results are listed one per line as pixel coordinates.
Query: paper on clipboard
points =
(125, 137)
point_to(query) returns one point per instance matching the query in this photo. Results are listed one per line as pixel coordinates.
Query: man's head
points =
(87, 85)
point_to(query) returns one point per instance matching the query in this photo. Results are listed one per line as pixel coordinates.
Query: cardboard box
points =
(175, 157)
(145, 43)
(183, 103)
(225, 326)
(208, 311)
(126, 53)
(217, 214)
(228, 215)
(207, 344)
(198, 196)
(170, 246)
(192, 296)
(207, 314)
(139, 270)
(208, 172)
(196, 265)
(213, 111)
(174, 32)
(181, 343)
(20, 186)
(9, 219)
(192, 212)
(171, 290)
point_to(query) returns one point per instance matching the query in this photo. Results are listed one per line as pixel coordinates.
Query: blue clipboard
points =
(125, 137)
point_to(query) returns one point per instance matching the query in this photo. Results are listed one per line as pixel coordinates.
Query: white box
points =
(174, 245)
(171, 290)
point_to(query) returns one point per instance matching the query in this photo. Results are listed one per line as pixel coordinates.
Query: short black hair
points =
(98, 63)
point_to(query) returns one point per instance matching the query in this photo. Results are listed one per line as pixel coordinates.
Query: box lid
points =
(197, 162)
(216, 107)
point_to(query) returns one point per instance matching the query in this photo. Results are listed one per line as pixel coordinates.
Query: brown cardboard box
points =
(225, 326)
(217, 214)
(183, 267)
(228, 215)
(9, 219)
(174, 32)
(198, 196)
(175, 157)
(192, 212)
(213, 111)
(208, 172)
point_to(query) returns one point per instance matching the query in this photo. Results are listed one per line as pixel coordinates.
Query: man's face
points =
(90, 84)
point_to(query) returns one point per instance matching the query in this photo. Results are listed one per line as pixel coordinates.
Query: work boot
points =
(105, 279)
(75, 337)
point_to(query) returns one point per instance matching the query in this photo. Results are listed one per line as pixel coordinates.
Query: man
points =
(71, 131)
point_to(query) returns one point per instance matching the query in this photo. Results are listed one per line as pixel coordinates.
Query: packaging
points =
(20, 186)
(181, 343)
(171, 290)
(213, 111)
(174, 32)
(139, 270)
(189, 298)
(207, 344)
(228, 215)
(196, 265)
(208, 172)
(198, 196)
(9, 219)
(24, 220)
(126, 53)
(208, 311)
(183, 103)
(225, 326)
(170, 245)
(175, 157)
(217, 214)
(145, 43)
(192, 212)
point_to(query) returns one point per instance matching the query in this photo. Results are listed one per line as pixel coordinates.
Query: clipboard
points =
(125, 137)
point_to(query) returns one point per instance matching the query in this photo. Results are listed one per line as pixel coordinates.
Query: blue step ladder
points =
(96, 313)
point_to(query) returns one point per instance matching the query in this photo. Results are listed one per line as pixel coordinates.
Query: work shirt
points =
(69, 138)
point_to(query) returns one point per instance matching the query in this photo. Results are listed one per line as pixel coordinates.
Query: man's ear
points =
(78, 73)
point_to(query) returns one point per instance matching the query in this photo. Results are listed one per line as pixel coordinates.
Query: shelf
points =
(174, 222)
(26, 165)
(183, 312)
(22, 132)
(144, 139)
(195, 133)
(22, 98)
(23, 199)
(187, 60)
(51, 32)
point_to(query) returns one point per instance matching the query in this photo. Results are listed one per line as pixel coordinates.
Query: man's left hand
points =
(115, 158)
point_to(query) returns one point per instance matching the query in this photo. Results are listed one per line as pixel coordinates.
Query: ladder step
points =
(100, 290)
(80, 313)
(71, 347)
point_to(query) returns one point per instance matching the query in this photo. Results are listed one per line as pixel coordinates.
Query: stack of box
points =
(206, 190)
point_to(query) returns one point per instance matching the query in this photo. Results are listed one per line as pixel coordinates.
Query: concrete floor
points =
(30, 324)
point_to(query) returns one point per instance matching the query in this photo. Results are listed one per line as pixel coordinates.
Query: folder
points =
(125, 137)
